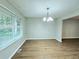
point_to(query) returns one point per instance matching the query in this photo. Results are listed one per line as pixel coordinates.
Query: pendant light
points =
(47, 18)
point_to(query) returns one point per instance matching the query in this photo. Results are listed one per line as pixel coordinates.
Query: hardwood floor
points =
(49, 49)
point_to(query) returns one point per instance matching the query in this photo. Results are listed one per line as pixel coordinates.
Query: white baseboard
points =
(16, 50)
(59, 41)
(39, 38)
(44, 39)
(70, 37)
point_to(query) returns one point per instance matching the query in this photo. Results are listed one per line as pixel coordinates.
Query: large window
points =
(10, 26)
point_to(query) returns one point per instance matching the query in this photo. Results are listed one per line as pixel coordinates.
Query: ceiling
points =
(37, 8)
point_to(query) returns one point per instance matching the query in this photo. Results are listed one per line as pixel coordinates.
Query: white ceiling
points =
(37, 8)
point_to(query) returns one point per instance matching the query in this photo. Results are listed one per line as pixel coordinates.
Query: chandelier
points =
(47, 18)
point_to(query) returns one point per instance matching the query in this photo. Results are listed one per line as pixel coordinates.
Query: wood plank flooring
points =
(49, 49)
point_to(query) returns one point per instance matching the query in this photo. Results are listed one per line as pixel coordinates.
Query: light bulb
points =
(44, 19)
(50, 18)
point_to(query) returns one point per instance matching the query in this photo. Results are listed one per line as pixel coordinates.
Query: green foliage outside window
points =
(5, 32)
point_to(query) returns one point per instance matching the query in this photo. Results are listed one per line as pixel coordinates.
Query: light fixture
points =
(47, 18)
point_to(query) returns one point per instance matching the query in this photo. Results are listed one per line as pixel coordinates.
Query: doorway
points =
(71, 28)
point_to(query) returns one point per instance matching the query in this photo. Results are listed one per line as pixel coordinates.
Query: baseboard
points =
(16, 50)
(59, 41)
(70, 37)
(39, 38)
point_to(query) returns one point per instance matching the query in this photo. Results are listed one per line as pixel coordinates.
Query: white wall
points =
(59, 30)
(71, 28)
(8, 52)
(37, 29)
